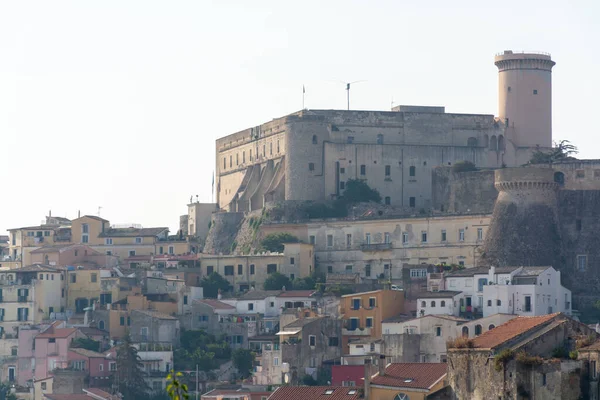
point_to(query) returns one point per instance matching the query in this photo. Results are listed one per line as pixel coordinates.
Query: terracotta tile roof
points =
(155, 314)
(299, 323)
(53, 332)
(90, 331)
(316, 393)
(442, 294)
(510, 330)
(101, 393)
(258, 294)
(37, 268)
(80, 396)
(411, 375)
(215, 304)
(297, 293)
(93, 217)
(592, 347)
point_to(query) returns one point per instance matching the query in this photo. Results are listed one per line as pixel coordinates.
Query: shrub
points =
(527, 359)
(460, 343)
(274, 242)
(463, 166)
(358, 191)
(588, 340)
(560, 352)
(573, 355)
(502, 357)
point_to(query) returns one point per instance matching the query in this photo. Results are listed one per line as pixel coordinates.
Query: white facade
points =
(476, 327)
(528, 291)
(365, 348)
(438, 303)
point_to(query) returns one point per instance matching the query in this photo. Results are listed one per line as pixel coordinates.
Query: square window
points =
(369, 322)
(535, 91)
(443, 235)
(240, 269)
(250, 306)
(311, 166)
(312, 239)
(348, 268)
(424, 237)
(363, 169)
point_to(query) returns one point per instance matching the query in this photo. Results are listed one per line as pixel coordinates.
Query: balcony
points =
(375, 246)
(356, 332)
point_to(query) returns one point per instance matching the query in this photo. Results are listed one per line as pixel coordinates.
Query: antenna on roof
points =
(348, 90)
(99, 209)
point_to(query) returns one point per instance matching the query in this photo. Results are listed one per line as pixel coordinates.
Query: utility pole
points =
(196, 381)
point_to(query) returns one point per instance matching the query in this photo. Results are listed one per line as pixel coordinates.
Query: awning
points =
(288, 332)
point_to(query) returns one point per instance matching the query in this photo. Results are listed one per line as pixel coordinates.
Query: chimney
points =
(492, 276)
(78, 213)
(382, 365)
(367, 385)
(50, 213)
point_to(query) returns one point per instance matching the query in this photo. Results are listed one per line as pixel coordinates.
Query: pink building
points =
(26, 363)
(52, 349)
(97, 365)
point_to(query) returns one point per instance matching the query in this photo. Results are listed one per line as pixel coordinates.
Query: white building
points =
(528, 291)
(444, 302)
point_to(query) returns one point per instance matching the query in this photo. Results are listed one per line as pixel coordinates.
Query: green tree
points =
(357, 191)
(306, 283)
(175, 388)
(5, 392)
(274, 242)
(86, 343)
(561, 151)
(212, 283)
(129, 375)
(243, 361)
(463, 166)
(202, 349)
(277, 281)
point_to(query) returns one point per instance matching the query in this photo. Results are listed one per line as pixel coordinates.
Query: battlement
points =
(526, 178)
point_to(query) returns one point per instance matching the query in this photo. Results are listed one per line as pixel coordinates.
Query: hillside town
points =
(387, 255)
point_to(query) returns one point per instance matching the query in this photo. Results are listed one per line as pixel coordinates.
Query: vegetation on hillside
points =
(212, 283)
(274, 242)
(202, 349)
(277, 281)
(243, 361)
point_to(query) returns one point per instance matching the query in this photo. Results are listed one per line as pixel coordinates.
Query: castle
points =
(311, 154)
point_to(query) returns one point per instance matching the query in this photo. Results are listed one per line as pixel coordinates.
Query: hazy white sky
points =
(118, 103)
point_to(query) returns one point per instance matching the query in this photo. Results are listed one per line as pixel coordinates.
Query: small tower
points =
(525, 97)
(524, 228)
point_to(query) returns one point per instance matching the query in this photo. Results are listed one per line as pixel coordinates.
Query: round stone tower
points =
(524, 229)
(525, 97)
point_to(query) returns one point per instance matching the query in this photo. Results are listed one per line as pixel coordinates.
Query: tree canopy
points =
(274, 241)
(561, 151)
(276, 281)
(243, 361)
(202, 349)
(212, 283)
(358, 191)
(129, 375)
(86, 343)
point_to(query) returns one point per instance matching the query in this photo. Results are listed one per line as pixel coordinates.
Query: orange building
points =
(364, 312)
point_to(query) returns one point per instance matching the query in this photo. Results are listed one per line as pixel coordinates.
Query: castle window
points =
(443, 235)
(489, 303)
(534, 91)
(230, 161)
(278, 146)
(380, 139)
(423, 304)
(315, 140)
(412, 171)
(559, 178)
(412, 202)
(311, 166)
(250, 154)
(271, 148)
(442, 303)
(243, 157)
(237, 159)
(493, 143)
(486, 141)
(582, 262)
(342, 185)
(363, 169)
(388, 170)
(492, 326)
(509, 88)
(224, 163)
(388, 200)
(461, 235)
(424, 237)
(264, 150)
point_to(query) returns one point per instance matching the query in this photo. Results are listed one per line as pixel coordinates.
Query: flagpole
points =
(303, 92)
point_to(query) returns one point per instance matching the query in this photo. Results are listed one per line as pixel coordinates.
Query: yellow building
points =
(406, 381)
(84, 286)
(364, 312)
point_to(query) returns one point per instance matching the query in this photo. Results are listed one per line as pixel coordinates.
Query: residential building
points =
(26, 239)
(199, 218)
(95, 364)
(404, 381)
(29, 295)
(148, 326)
(9, 360)
(376, 247)
(85, 394)
(361, 350)
(525, 351)
(71, 255)
(316, 393)
(590, 355)
(475, 327)
(363, 313)
(510, 290)
(51, 348)
(444, 302)
(157, 362)
(308, 342)
(84, 286)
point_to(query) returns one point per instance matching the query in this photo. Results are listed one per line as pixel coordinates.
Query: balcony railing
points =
(356, 332)
(375, 246)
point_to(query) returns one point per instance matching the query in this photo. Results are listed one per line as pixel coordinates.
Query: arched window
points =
(423, 304)
(478, 330)
(489, 303)
(501, 144)
(442, 303)
(412, 171)
(315, 140)
(433, 304)
(101, 325)
(380, 139)
(559, 178)
(401, 396)
(493, 143)
(472, 142)
(465, 331)
(492, 326)
(486, 141)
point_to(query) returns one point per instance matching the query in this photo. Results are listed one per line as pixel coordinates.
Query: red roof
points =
(510, 330)
(56, 333)
(316, 393)
(411, 375)
(348, 373)
(100, 393)
(80, 396)
(296, 293)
